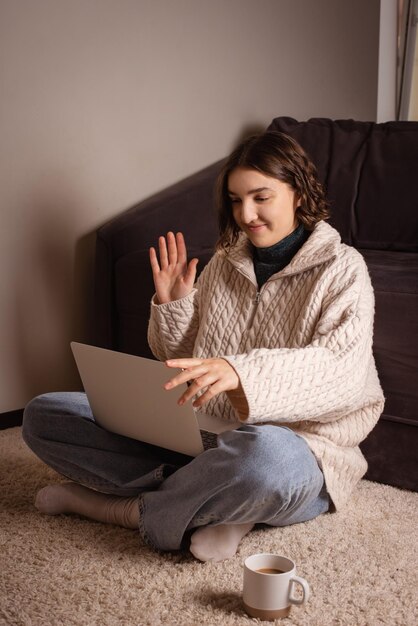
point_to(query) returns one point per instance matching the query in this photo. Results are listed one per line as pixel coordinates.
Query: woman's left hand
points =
(216, 375)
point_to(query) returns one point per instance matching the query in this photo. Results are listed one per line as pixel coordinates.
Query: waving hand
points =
(173, 276)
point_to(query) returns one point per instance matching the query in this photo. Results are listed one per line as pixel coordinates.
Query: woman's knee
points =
(42, 412)
(273, 459)
(33, 415)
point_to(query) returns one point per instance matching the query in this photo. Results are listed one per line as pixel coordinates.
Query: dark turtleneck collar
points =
(270, 260)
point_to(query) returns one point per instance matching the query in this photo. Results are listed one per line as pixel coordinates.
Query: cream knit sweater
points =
(301, 346)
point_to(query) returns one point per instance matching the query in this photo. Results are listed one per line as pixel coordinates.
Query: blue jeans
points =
(257, 474)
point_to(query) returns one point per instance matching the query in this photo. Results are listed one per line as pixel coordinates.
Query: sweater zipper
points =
(254, 311)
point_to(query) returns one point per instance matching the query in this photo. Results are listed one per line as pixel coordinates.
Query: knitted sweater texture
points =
(301, 346)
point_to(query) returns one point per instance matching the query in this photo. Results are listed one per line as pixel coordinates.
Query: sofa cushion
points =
(391, 453)
(369, 171)
(394, 277)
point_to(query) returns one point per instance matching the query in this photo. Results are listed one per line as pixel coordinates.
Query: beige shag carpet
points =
(361, 563)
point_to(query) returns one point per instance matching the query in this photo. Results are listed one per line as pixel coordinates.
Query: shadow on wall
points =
(53, 287)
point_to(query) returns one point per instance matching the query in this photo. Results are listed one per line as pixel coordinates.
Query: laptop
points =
(127, 396)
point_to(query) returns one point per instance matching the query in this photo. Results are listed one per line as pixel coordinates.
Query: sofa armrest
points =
(123, 283)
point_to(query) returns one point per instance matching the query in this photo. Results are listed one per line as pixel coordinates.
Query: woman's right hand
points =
(173, 277)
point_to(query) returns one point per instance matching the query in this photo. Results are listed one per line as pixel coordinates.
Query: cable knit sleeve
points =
(328, 376)
(172, 327)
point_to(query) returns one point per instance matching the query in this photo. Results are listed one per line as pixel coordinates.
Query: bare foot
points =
(216, 543)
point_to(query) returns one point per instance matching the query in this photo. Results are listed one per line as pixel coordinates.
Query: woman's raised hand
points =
(173, 277)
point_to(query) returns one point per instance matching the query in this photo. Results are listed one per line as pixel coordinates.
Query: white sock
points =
(74, 498)
(216, 543)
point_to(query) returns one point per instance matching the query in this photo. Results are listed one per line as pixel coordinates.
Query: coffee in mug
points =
(270, 570)
(269, 582)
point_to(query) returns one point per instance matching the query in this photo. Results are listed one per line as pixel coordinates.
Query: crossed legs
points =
(257, 474)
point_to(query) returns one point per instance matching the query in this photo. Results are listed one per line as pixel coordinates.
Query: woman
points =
(276, 332)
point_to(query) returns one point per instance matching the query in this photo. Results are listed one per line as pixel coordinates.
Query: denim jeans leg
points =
(60, 430)
(257, 474)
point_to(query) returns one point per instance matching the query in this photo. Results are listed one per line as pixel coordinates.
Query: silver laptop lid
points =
(127, 397)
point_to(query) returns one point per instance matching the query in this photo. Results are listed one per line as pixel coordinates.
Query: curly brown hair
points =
(277, 155)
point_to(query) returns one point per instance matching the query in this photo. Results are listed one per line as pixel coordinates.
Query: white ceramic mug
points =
(269, 582)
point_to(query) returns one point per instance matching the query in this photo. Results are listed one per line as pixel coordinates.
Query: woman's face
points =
(263, 207)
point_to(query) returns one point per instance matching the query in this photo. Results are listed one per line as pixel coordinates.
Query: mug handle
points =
(304, 584)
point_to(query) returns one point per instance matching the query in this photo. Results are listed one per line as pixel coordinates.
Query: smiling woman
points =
(263, 207)
(266, 188)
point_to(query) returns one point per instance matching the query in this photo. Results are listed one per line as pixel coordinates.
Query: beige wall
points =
(104, 102)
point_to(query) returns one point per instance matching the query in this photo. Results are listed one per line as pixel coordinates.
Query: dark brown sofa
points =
(370, 172)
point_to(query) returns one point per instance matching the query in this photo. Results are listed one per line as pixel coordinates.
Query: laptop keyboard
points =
(210, 440)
